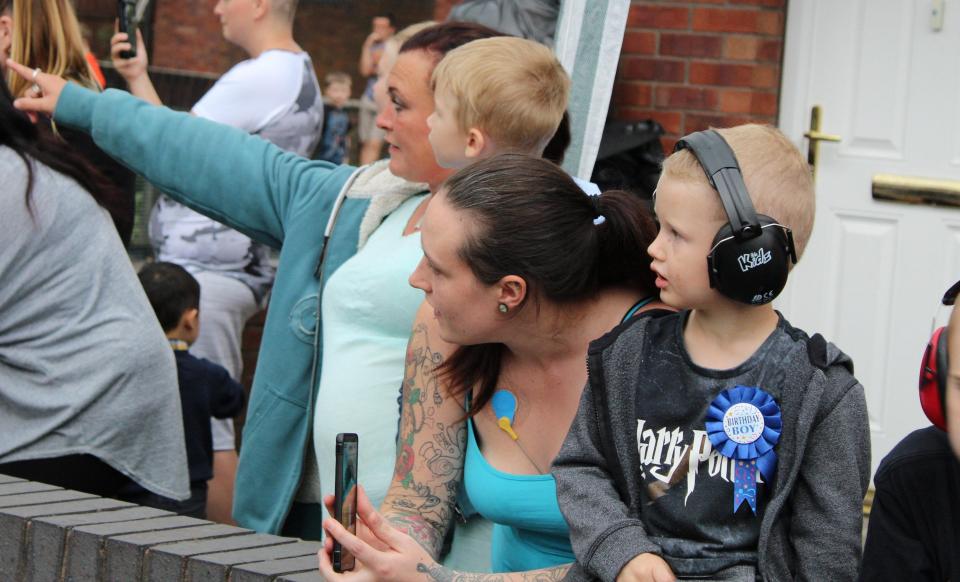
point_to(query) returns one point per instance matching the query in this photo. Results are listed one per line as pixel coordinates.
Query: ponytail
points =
(625, 233)
(530, 219)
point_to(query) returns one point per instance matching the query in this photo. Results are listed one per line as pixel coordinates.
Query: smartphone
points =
(126, 11)
(345, 497)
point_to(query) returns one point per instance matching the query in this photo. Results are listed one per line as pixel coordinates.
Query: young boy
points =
(206, 389)
(914, 529)
(511, 99)
(719, 442)
(336, 122)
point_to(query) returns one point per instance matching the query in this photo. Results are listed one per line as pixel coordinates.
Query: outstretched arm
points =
(235, 178)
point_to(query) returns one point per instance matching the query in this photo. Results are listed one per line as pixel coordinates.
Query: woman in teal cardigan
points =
(319, 215)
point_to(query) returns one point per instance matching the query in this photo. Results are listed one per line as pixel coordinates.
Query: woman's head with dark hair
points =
(512, 233)
(404, 119)
(440, 39)
(525, 232)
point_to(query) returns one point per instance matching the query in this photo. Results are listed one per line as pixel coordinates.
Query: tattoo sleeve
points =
(430, 449)
(438, 573)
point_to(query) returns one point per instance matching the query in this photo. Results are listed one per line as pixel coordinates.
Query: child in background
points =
(206, 389)
(719, 442)
(512, 101)
(336, 121)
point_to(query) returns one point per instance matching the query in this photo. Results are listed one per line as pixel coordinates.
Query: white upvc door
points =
(887, 75)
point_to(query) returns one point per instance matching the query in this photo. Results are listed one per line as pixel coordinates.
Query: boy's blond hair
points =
(777, 176)
(514, 90)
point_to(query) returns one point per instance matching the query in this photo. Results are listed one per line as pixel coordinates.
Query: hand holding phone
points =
(126, 22)
(345, 497)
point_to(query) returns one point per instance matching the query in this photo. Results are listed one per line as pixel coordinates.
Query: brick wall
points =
(693, 64)
(49, 534)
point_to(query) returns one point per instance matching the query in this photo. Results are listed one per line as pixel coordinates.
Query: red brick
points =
(750, 102)
(671, 121)
(767, 3)
(757, 76)
(751, 48)
(737, 20)
(639, 42)
(655, 69)
(684, 97)
(700, 121)
(633, 94)
(658, 16)
(690, 45)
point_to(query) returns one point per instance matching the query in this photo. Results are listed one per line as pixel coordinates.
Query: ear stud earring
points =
(503, 308)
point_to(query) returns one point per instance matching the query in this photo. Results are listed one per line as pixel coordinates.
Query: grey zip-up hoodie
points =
(813, 521)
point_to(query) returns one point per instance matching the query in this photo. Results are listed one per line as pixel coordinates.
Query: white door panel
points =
(874, 271)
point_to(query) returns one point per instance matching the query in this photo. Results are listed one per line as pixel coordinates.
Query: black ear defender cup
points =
(935, 368)
(751, 254)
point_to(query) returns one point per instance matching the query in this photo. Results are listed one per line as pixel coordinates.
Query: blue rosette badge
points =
(743, 424)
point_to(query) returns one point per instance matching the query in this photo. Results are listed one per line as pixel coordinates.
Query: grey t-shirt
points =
(688, 505)
(84, 365)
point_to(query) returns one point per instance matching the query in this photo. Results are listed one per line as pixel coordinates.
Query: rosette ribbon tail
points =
(744, 424)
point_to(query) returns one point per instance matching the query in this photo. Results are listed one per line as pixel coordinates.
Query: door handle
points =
(814, 137)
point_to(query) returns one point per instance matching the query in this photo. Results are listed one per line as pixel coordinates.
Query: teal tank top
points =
(529, 531)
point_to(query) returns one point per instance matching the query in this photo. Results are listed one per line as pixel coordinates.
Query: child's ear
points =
(479, 145)
(260, 8)
(190, 320)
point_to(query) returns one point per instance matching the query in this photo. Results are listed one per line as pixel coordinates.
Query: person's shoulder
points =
(631, 333)
(211, 369)
(817, 352)
(925, 447)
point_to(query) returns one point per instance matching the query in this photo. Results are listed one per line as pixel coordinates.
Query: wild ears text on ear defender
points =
(935, 368)
(751, 254)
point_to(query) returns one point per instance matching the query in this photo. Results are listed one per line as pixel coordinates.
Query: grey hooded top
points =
(811, 524)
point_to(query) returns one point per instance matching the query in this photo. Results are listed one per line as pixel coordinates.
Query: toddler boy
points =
(497, 95)
(336, 121)
(206, 389)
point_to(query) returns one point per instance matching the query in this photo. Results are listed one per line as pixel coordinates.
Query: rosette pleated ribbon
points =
(743, 424)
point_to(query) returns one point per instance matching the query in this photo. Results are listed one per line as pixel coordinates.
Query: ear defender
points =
(751, 254)
(935, 368)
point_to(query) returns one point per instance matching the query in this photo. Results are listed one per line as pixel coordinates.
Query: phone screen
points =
(346, 496)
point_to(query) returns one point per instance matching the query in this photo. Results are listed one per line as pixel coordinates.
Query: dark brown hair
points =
(443, 38)
(171, 290)
(530, 219)
(30, 143)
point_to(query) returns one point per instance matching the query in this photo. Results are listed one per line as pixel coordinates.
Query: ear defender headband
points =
(751, 254)
(934, 370)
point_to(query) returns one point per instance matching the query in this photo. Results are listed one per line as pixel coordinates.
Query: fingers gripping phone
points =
(345, 497)
(126, 13)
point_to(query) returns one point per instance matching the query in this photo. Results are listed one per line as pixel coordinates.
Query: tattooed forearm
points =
(430, 450)
(438, 573)
(426, 533)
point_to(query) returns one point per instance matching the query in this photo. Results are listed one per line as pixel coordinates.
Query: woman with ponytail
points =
(45, 35)
(521, 271)
(88, 384)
